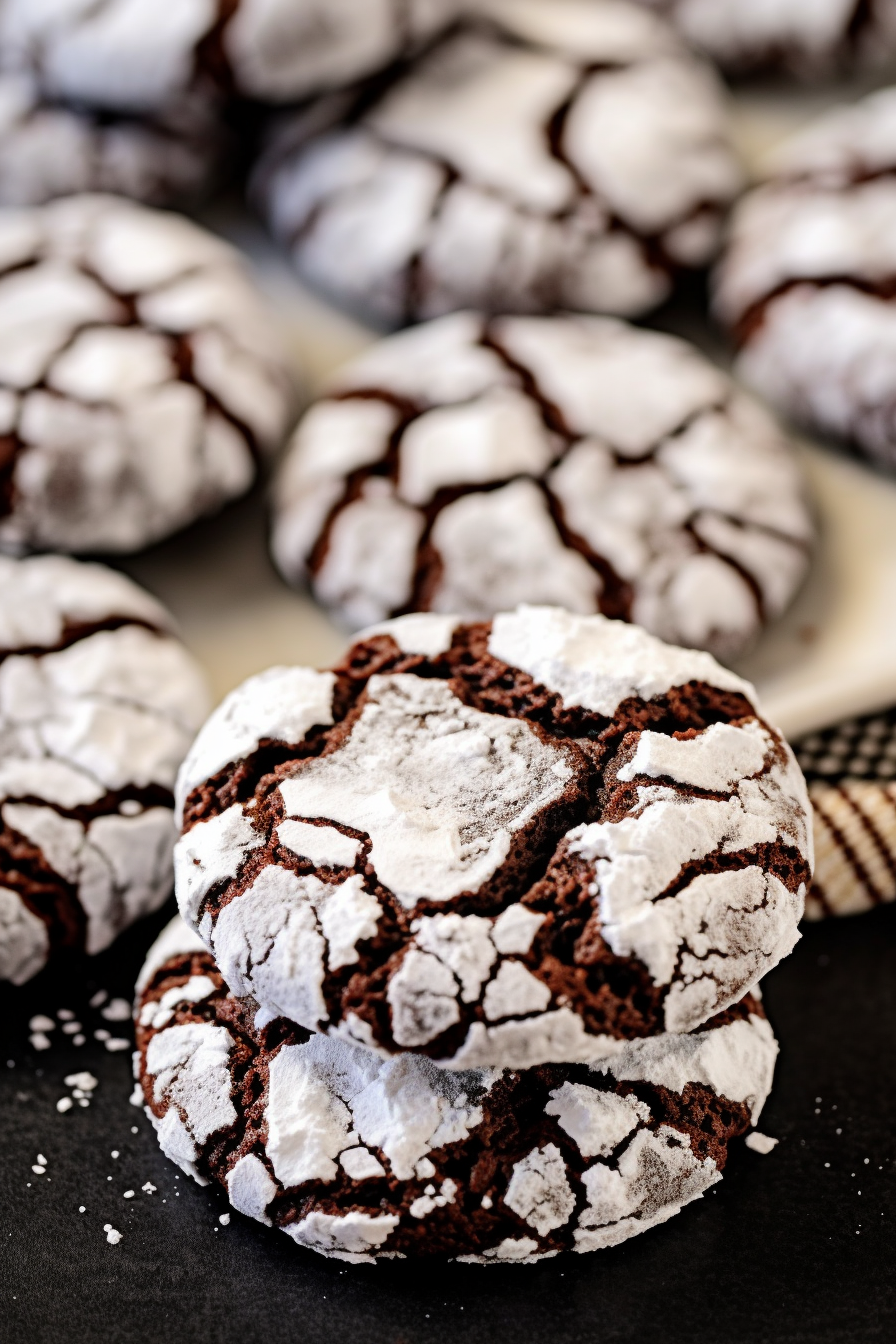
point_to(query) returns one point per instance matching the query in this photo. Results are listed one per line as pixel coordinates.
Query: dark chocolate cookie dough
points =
(360, 1158)
(498, 844)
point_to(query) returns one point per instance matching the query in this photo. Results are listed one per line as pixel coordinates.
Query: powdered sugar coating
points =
(414, 877)
(140, 376)
(471, 464)
(810, 37)
(542, 146)
(362, 1146)
(128, 56)
(98, 702)
(49, 150)
(806, 281)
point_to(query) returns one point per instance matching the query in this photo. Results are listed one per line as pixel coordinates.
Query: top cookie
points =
(806, 284)
(804, 37)
(470, 464)
(140, 377)
(98, 704)
(137, 56)
(499, 844)
(563, 155)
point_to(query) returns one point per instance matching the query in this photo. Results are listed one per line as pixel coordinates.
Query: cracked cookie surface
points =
(360, 1158)
(472, 463)
(98, 705)
(140, 376)
(132, 56)
(807, 282)
(499, 844)
(49, 150)
(804, 37)
(573, 155)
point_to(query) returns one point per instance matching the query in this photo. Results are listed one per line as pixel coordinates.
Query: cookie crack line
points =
(523, 917)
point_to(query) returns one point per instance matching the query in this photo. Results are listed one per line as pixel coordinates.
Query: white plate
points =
(832, 656)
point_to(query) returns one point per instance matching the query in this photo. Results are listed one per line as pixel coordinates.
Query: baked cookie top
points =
(471, 464)
(49, 150)
(804, 37)
(99, 702)
(495, 844)
(806, 282)
(570, 155)
(357, 1158)
(140, 375)
(132, 55)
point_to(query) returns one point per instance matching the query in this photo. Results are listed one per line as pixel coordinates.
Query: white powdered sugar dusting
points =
(113, 446)
(251, 1187)
(280, 705)
(85, 718)
(453, 785)
(539, 1190)
(189, 1064)
(595, 663)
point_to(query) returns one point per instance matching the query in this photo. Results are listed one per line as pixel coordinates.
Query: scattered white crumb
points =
(134, 1129)
(64, 1104)
(99, 998)
(81, 1208)
(101, 1034)
(136, 1097)
(128, 1194)
(148, 1188)
(224, 1220)
(82, 1101)
(38, 1169)
(79, 1039)
(760, 1143)
(83, 1081)
(119, 1010)
(65, 1015)
(42, 1160)
(39, 1041)
(40, 1022)
(117, 1043)
(71, 1028)
(112, 1236)
(115, 1152)
(486, 1201)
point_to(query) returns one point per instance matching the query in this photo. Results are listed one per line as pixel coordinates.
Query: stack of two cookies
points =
(476, 921)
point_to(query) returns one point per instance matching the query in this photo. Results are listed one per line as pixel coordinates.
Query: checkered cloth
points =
(851, 771)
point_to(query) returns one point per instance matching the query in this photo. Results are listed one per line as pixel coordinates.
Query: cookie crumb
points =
(119, 1010)
(760, 1143)
(112, 1236)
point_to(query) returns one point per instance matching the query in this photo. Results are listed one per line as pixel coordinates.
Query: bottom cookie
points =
(363, 1158)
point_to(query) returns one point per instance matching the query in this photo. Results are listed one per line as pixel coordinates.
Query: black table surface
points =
(797, 1245)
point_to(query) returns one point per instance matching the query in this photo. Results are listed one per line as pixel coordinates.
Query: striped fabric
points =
(851, 771)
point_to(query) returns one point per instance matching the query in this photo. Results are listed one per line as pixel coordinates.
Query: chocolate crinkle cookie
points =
(98, 705)
(543, 156)
(140, 381)
(851, 773)
(49, 150)
(807, 38)
(360, 1158)
(503, 844)
(472, 464)
(807, 283)
(138, 56)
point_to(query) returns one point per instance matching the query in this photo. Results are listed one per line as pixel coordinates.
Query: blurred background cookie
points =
(806, 284)
(356, 1157)
(569, 155)
(141, 378)
(808, 38)
(471, 464)
(132, 56)
(49, 150)
(99, 702)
